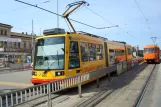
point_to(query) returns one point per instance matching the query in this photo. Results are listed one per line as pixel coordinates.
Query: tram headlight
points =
(33, 73)
(60, 73)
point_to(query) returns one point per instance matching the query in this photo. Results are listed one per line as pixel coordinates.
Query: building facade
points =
(14, 46)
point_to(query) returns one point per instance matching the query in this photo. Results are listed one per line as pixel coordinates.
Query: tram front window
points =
(49, 53)
(149, 50)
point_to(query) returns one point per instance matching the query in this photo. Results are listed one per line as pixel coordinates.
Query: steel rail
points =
(91, 102)
(139, 99)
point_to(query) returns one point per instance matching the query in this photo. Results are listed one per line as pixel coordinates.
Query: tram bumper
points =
(40, 81)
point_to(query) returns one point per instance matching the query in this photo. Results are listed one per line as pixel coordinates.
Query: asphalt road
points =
(152, 96)
(14, 80)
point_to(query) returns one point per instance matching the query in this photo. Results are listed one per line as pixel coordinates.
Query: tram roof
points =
(151, 46)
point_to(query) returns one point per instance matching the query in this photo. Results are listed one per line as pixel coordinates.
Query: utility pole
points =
(32, 56)
(57, 15)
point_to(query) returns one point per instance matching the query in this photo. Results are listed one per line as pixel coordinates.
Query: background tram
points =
(60, 55)
(152, 54)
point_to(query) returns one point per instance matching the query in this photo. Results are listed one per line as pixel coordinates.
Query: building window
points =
(15, 45)
(5, 32)
(1, 32)
(24, 44)
(30, 45)
(5, 44)
(19, 45)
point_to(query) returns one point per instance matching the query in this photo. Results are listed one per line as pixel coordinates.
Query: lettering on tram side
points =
(100, 66)
(87, 69)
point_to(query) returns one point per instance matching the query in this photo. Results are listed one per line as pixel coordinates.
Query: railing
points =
(24, 95)
(14, 66)
(31, 93)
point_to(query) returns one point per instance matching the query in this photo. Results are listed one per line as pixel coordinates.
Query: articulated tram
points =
(60, 55)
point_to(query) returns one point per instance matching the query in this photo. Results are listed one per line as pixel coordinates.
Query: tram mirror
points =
(46, 58)
(40, 42)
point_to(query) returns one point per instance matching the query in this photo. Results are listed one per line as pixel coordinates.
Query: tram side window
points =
(149, 50)
(122, 52)
(112, 56)
(92, 52)
(99, 52)
(116, 53)
(84, 51)
(129, 51)
(74, 61)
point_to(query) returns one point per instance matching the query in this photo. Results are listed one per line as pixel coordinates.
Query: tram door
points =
(74, 58)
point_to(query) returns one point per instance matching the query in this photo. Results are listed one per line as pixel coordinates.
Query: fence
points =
(31, 93)
(16, 67)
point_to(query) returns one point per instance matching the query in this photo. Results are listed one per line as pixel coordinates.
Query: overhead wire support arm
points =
(67, 12)
(154, 39)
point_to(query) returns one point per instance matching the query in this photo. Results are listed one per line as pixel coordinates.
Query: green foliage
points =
(140, 53)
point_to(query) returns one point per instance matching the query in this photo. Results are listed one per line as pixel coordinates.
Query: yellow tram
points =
(59, 54)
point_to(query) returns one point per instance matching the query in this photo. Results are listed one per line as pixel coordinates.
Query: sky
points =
(134, 28)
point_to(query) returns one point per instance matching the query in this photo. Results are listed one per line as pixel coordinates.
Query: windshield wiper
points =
(47, 61)
(45, 54)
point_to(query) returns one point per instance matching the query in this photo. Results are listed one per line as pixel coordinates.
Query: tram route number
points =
(43, 75)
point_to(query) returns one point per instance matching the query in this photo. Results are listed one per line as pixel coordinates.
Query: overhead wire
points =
(143, 14)
(100, 16)
(110, 22)
(20, 8)
(144, 17)
(60, 15)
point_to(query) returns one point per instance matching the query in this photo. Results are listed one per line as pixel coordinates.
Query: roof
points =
(22, 35)
(151, 46)
(5, 25)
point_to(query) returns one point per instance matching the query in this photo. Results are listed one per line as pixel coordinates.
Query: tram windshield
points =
(149, 50)
(49, 53)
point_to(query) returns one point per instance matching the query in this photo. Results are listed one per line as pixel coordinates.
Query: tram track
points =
(65, 95)
(139, 99)
(91, 102)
